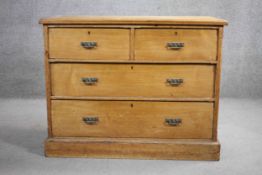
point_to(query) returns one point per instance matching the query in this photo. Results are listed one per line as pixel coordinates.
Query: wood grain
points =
(121, 80)
(161, 20)
(133, 148)
(150, 44)
(111, 43)
(124, 119)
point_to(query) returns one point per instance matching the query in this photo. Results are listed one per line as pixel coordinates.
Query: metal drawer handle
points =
(174, 81)
(89, 44)
(90, 80)
(175, 45)
(173, 122)
(91, 120)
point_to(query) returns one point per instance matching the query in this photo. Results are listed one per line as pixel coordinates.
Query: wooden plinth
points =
(133, 148)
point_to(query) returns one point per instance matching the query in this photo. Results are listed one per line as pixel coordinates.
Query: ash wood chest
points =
(133, 87)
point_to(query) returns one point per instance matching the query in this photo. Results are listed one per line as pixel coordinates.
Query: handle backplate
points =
(89, 80)
(91, 120)
(174, 81)
(175, 45)
(88, 44)
(173, 121)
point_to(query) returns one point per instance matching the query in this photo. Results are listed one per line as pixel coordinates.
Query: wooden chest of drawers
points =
(133, 87)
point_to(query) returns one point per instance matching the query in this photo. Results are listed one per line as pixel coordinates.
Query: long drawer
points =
(132, 119)
(132, 80)
(88, 43)
(176, 44)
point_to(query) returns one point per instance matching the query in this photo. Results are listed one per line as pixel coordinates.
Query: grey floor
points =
(23, 129)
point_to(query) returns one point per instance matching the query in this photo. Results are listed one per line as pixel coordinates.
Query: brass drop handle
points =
(90, 80)
(89, 44)
(175, 45)
(173, 121)
(91, 120)
(174, 81)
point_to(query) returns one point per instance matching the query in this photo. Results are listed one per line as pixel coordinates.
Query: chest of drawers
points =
(133, 87)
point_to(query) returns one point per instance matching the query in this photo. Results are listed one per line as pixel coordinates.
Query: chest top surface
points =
(144, 20)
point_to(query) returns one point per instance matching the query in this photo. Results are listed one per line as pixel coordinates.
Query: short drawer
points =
(89, 43)
(176, 44)
(132, 119)
(133, 80)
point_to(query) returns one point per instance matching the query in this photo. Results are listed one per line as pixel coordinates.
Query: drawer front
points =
(91, 44)
(136, 80)
(132, 119)
(175, 44)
